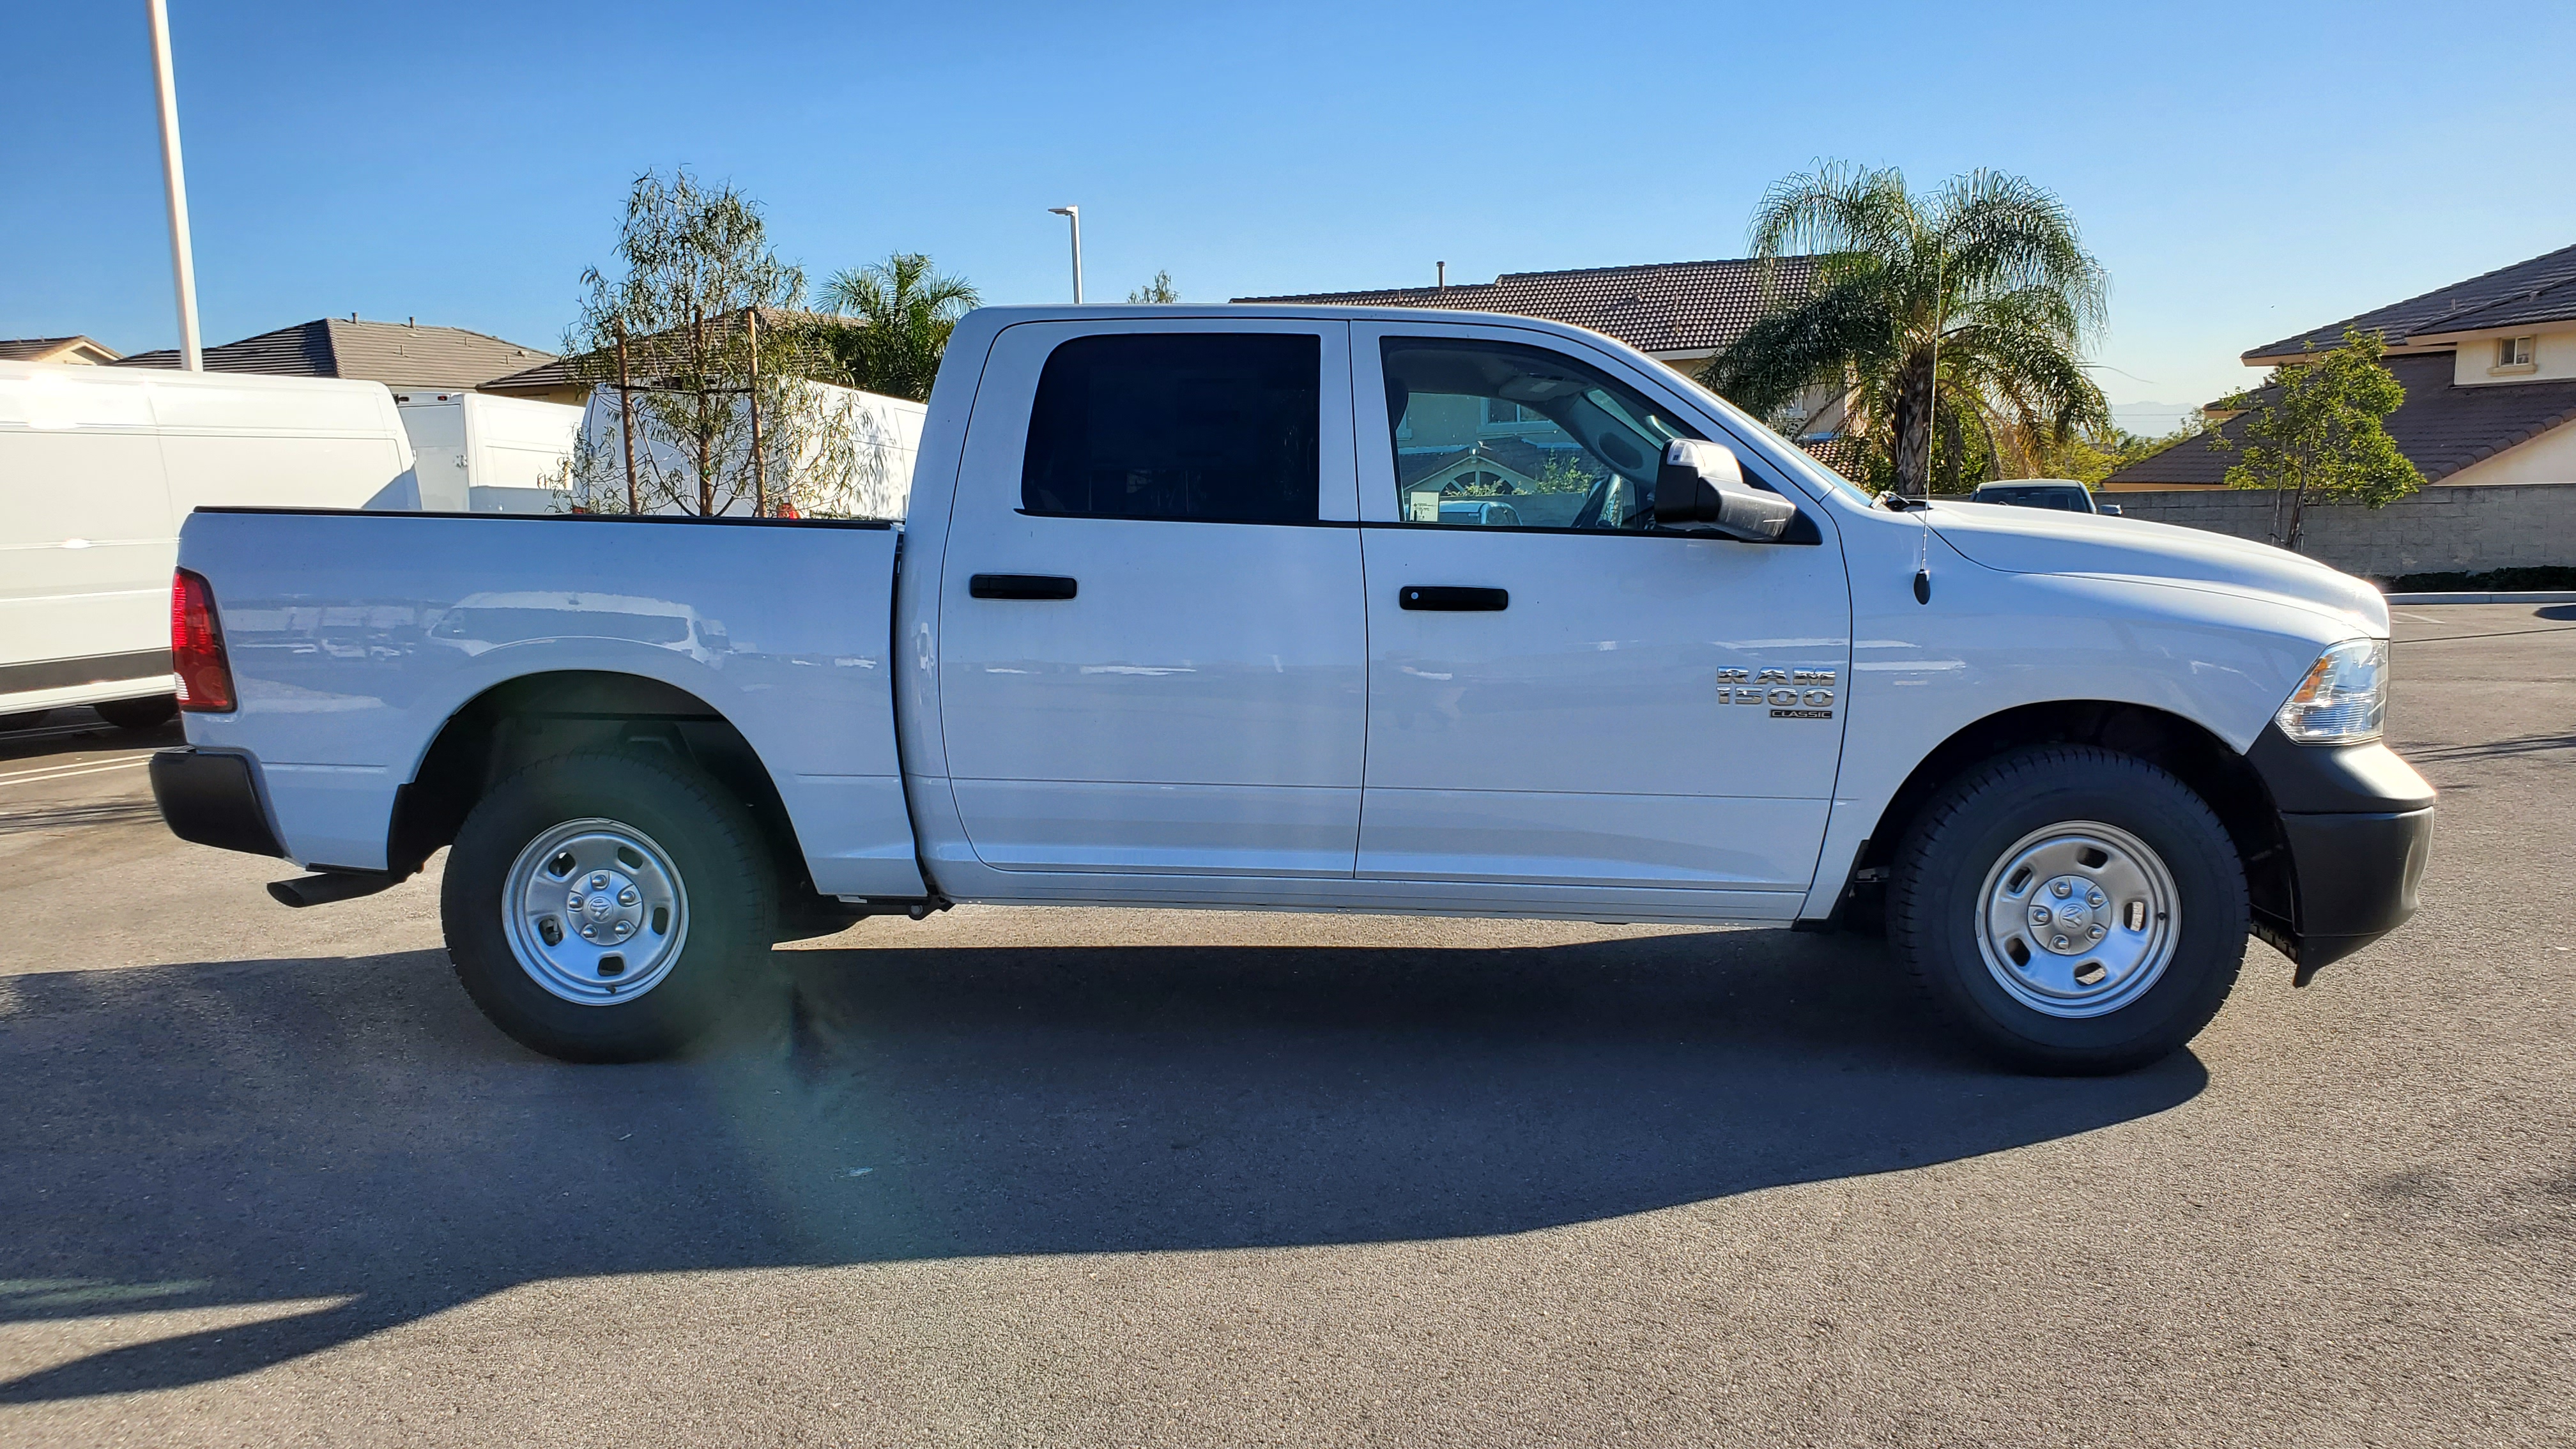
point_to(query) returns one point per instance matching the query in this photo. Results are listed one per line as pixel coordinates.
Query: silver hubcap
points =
(595, 912)
(2078, 919)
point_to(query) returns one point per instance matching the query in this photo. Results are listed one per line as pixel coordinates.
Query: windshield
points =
(1789, 455)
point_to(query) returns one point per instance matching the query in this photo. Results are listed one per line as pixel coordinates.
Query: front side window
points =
(1208, 427)
(1580, 451)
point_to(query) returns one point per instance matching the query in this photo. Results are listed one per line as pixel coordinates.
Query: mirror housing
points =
(1702, 483)
(2113, 509)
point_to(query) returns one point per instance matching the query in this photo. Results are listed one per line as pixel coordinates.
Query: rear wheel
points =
(606, 908)
(2071, 909)
(149, 712)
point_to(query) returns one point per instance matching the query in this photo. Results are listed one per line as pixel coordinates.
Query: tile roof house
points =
(1679, 313)
(568, 379)
(56, 349)
(2489, 368)
(397, 354)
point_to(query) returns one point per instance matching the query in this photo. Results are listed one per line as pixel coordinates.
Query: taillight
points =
(197, 645)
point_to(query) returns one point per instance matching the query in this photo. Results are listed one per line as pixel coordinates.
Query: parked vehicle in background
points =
(2063, 494)
(1163, 628)
(1484, 512)
(475, 452)
(867, 443)
(98, 465)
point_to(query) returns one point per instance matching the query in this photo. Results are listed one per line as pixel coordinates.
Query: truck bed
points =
(356, 637)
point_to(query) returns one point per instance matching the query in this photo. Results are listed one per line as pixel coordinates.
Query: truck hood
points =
(2040, 541)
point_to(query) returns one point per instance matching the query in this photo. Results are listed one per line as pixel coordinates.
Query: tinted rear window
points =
(1215, 427)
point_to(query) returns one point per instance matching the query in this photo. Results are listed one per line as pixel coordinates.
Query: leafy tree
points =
(899, 314)
(1159, 291)
(1956, 319)
(2318, 428)
(695, 267)
(1564, 472)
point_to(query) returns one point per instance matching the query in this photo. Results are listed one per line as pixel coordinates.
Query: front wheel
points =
(2071, 909)
(605, 908)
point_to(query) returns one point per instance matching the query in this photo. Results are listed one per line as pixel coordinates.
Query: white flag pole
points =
(174, 178)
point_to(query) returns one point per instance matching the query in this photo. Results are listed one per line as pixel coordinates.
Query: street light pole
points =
(174, 180)
(1074, 215)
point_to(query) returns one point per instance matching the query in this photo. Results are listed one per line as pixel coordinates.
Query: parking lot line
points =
(65, 772)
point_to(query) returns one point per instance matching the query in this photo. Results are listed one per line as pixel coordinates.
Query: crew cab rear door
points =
(1153, 651)
(1561, 693)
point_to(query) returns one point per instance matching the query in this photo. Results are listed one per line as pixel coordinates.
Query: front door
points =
(1561, 693)
(1153, 651)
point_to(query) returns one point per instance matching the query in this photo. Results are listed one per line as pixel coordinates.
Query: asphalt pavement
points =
(1095, 1177)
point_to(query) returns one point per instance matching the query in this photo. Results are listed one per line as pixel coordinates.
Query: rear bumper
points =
(2358, 825)
(212, 800)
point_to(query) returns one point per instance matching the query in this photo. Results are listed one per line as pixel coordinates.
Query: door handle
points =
(1019, 586)
(1453, 600)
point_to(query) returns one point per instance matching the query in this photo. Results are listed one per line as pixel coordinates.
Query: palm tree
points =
(901, 313)
(1966, 310)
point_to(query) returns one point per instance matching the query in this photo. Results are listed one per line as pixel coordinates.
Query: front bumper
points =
(212, 800)
(2357, 822)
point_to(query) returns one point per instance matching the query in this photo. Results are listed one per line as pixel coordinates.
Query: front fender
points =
(1988, 642)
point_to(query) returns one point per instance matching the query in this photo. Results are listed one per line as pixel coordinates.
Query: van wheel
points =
(2071, 909)
(149, 712)
(604, 908)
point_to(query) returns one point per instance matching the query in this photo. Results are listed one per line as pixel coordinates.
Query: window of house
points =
(2513, 351)
(1212, 427)
(1584, 455)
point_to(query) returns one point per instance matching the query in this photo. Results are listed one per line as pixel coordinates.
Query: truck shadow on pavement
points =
(284, 1131)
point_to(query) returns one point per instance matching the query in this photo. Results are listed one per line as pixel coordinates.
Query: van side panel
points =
(98, 465)
(354, 637)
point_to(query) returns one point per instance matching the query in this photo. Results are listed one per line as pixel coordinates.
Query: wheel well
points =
(2219, 775)
(529, 718)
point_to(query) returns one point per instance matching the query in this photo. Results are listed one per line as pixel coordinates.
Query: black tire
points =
(722, 965)
(1941, 869)
(150, 712)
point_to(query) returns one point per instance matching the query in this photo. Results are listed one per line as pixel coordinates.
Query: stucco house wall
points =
(2553, 354)
(2549, 458)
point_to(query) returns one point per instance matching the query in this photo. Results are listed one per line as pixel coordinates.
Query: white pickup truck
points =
(1213, 606)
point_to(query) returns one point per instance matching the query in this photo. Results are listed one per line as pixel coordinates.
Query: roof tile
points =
(396, 354)
(1661, 307)
(2537, 290)
(2440, 427)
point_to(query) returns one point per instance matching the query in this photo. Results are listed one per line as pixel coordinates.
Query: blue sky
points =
(2243, 170)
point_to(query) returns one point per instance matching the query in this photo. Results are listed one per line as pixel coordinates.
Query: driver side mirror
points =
(1703, 483)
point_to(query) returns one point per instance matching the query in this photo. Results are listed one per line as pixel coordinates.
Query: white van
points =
(473, 452)
(98, 468)
(876, 438)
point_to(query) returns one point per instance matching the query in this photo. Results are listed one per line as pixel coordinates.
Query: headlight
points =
(2343, 700)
